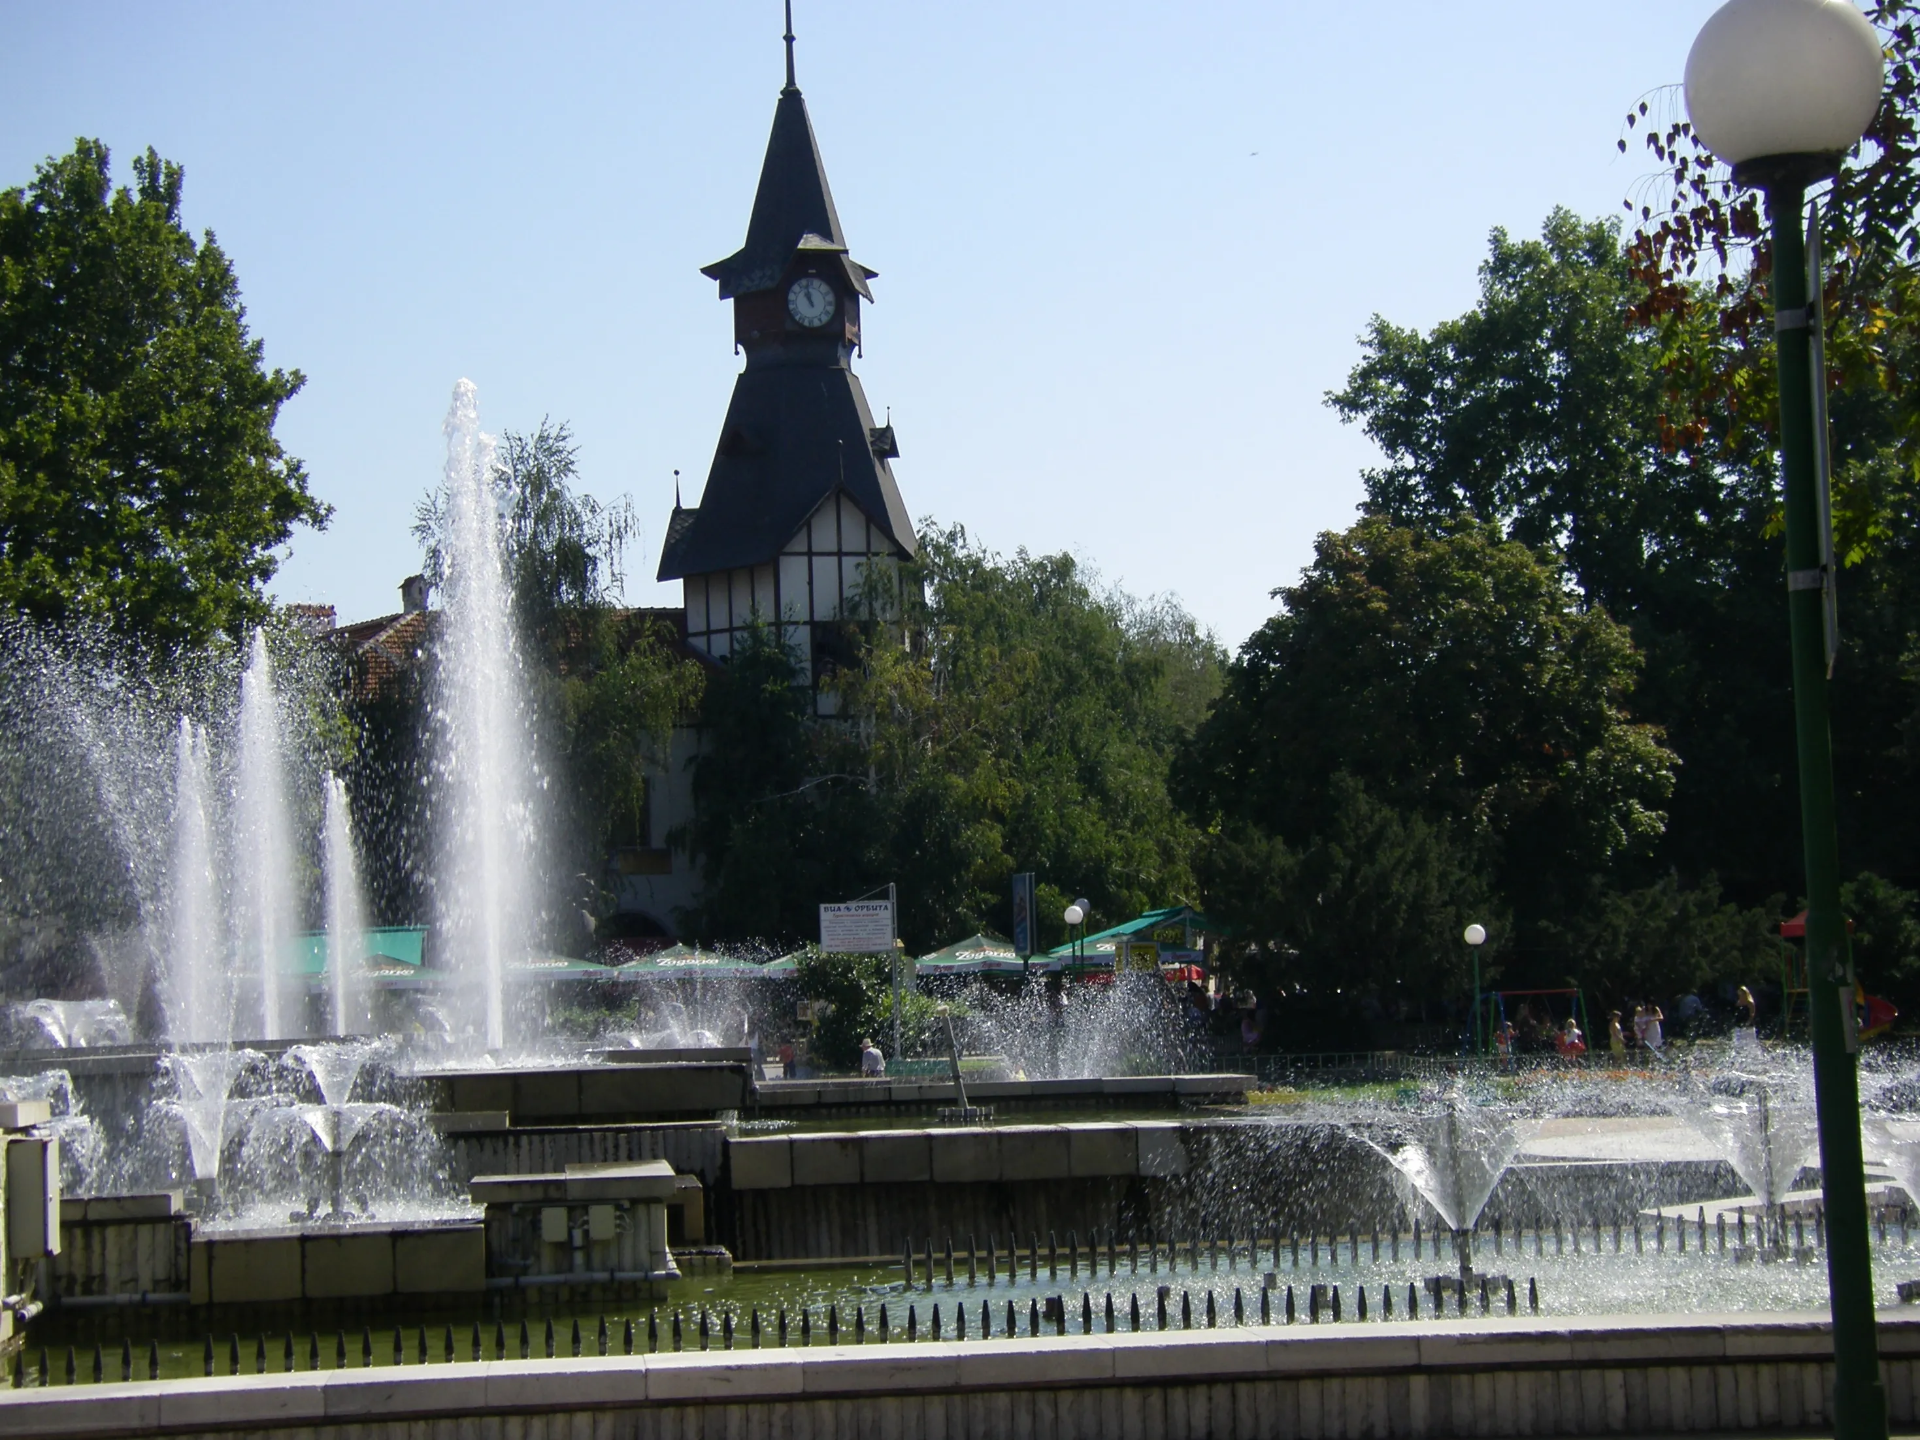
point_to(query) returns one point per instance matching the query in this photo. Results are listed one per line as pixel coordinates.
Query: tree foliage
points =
(1432, 727)
(564, 552)
(858, 990)
(140, 480)
(1014, 717)
(1702, 263)
(1625, 433)
(1545, 410)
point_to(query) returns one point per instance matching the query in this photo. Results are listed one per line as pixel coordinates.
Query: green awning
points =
(686, 962)
(557, 967)
(385, 945)
(975, 955)
(1102, 941)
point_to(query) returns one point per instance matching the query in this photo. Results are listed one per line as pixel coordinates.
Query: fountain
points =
(346, 915)
(204, 1082)
(1765, 1126)
(1894, 1142)
(334, 1068)
(66, 1025)
(263, 850)
(482, 746)
(198, 1002)
(1130, 1025)
(1452, 1148)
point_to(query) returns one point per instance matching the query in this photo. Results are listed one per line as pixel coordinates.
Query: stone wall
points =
(237, 1268)
(595, 1093)
(1616, 1375)
(124, 1245)
(693, 1148)
(848, 1097)
(867, 1193)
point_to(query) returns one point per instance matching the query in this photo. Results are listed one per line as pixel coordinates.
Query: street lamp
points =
(1780, 90)
(1475, 935)
(1075, 915)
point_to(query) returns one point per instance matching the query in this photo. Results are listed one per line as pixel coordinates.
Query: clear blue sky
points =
(1124, 249)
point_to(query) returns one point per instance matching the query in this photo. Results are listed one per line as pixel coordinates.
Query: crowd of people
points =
(1533, 1031)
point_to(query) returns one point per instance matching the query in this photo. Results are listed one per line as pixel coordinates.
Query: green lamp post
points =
(1780, 90)
(1476, 935)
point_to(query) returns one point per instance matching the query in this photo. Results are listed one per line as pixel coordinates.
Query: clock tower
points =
(800, 502)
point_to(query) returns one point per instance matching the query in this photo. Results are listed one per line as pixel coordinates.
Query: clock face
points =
(810, 301)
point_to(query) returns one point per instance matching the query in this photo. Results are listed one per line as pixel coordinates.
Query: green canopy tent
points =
(392, 960)
(557, 969)
(686, 962)
(979, 955)
(1097, 951)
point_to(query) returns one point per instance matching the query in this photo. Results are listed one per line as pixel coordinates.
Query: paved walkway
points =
(1618, 1139)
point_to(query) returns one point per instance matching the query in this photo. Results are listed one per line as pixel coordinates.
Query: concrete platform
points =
(1619, 1139)
(1331, 1382)
(588, 1094)
(959, 1155)
(256, 1266)
(794, 1099)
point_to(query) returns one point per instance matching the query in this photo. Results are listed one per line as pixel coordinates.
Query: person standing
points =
(1746, 1016)
(873, 1065)
(1616, 1037)
(1572, 1043)
(1655, 1036)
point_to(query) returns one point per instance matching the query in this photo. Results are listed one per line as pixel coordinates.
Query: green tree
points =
(1541, 409)
(1663, 939)
(782, 817)
(1014, 717)
(140, 480)
(1456, 681)
(1551, 410)
(1701, 264)
(1886, 938)
(1376, 897)
(858, 990)
(1030, 726)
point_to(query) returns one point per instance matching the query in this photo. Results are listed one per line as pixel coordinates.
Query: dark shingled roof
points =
(798, 429)
(792, 210)
(788, 431)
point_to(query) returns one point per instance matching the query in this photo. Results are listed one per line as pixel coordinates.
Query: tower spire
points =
(789, 39)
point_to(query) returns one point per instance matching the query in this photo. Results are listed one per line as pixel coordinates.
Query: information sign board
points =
(863, 927)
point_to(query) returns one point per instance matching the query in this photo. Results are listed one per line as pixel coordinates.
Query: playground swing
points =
(1508, 1041)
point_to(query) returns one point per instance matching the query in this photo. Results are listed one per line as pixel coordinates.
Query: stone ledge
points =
(761, 1163)
(120, 1209)
(882, 1372)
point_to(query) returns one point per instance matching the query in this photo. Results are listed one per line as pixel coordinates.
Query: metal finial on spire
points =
(676, 489)
(789, 39)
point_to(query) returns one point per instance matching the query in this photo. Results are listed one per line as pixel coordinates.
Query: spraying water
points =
(482, 761)
(263, 854)
(198, 1001)
(204, 1080)
(1762, 1121)
(346, 915)
(1453, 1151)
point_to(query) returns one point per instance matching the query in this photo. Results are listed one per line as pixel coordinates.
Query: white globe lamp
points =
(1781, 89)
